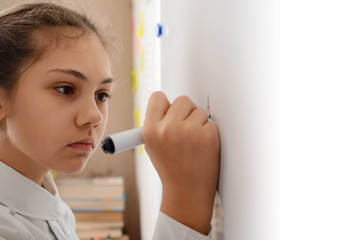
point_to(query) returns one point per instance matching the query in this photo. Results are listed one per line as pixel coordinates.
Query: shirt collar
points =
(28, 198)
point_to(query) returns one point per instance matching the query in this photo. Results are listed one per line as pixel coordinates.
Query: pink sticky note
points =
(137, 46)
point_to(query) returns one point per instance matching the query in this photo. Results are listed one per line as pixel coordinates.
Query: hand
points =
(184, 148)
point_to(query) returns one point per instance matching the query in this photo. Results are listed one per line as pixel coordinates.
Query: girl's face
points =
(59, 112)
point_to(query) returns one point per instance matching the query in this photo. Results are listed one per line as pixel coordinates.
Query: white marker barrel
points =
(122, 141)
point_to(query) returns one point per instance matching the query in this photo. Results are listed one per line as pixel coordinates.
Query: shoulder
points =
(10, 227)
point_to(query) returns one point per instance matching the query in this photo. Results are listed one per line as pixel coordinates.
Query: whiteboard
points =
(283, 81)
(145, 80)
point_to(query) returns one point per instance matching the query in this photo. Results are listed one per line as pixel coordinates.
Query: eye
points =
(66, 90)
(102, 96)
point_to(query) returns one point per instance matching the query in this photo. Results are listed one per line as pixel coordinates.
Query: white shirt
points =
(29, 211)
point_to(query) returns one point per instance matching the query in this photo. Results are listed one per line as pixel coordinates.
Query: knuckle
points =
(203, 112)
(183, 100)
(157, 96)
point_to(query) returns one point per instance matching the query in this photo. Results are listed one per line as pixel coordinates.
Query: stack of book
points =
(98, 205)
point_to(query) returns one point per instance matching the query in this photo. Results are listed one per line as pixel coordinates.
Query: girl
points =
(55, 79)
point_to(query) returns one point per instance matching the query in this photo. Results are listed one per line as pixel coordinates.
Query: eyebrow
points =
(79, 75)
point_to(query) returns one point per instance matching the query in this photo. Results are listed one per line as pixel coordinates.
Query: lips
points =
(86, 144)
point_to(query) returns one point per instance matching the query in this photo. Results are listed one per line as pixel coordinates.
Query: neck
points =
(19, 161)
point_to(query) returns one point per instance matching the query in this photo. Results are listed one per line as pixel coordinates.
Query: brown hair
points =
(19, 27)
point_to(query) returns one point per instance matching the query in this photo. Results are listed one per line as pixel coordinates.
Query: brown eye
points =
(66, 90)
(102, 96)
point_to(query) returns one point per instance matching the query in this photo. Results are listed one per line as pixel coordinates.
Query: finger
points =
(157, 107)
(199, 115)
(180, 109)
(213, 133)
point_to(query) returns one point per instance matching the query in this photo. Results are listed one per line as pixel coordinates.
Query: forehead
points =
(84, 53)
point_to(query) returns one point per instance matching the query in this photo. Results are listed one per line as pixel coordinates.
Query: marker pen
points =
(125, 140)
(122, 141)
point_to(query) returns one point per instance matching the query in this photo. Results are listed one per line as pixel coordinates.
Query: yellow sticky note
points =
(141, 149)
(140, 30)
(142, 61)
(137, 117)
(134, 81)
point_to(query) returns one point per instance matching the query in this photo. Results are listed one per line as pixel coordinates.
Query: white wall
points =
(283, 80)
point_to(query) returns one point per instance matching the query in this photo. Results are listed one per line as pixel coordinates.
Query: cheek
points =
(35, 127)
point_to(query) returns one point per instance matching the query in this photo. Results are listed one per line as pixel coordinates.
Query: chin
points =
(73, 166)
(75, 171)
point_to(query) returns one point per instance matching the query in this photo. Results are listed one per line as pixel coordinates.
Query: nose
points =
(89, 114)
